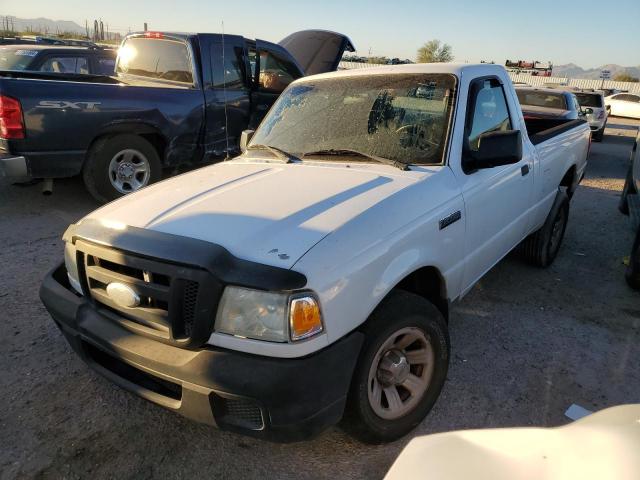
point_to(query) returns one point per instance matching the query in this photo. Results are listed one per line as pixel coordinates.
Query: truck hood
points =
(265, 212)
(317, 51)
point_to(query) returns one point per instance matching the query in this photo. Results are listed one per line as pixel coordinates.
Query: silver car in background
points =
(598, 118)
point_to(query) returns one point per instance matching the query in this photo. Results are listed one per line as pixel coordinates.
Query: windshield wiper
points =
(278, 152)
(355, 153)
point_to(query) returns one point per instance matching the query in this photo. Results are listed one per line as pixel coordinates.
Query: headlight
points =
(274, 317)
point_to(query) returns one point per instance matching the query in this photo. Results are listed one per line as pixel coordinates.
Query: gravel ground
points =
(527, 343)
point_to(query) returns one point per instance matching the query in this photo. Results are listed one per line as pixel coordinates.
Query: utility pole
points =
(145, 26)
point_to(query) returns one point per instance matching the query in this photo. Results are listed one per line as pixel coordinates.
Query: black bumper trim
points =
(299, 397)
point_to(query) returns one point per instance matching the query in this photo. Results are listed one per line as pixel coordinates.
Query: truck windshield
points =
(537, 98)
(399, 117)
(12, 59)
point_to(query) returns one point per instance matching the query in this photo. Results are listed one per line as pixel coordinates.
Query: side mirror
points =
(245, 138)
(588, 111)
(495, 149)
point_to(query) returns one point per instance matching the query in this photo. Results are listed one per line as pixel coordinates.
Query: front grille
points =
(177, 303)
(239, 412)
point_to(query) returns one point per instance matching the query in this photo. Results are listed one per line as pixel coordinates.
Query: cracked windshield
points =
(402, 117)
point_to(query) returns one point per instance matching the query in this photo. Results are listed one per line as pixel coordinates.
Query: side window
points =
(228, 68)
(634, 98)
(623, 96)
(65, 65)
(489, 110)
(253, 62)
(106, 66)
(275, 73)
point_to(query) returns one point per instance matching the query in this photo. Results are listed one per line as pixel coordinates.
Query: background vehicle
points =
(38, 39)
(57, 59)
(630, 205)
(176, 99)
(550, 103)
(611, 91)
(311, 277)
(602, 445)
(623, 105)
(598, 117)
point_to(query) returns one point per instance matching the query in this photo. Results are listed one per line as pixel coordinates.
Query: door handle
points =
(524, 170)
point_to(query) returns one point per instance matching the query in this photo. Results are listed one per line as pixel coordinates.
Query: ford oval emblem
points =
(123, 295)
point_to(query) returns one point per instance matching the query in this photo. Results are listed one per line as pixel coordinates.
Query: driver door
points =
(498, 199)
(272, 69)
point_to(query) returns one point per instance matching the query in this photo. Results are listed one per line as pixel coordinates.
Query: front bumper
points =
(13, 166)
(272, 398)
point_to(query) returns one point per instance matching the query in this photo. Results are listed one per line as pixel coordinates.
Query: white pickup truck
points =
(310, 278)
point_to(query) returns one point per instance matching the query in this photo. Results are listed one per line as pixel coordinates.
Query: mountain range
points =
(51, 27)
(571, 70)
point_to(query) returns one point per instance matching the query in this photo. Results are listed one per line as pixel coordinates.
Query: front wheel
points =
(401, 369)
(119, 165)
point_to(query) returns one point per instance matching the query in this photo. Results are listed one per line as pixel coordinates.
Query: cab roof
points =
(457, 69)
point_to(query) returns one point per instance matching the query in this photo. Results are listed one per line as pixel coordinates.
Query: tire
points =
(632, 275)
(401, 317)
(598, 135)
(112, 163)
(628, 188)
(541, 247)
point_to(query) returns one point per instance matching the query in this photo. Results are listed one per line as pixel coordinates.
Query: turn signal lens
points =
(304, 317)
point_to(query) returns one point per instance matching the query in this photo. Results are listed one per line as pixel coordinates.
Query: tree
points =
(625, 77)
(434, 51)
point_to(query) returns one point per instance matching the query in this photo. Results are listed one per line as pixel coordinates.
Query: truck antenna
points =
(224, 93)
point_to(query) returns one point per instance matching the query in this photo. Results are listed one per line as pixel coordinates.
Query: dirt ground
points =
(526, 343)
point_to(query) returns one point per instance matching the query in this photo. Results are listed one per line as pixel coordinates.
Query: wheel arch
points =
(147, 131)
(429, 283)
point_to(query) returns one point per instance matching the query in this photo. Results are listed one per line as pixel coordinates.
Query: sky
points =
(588, 33)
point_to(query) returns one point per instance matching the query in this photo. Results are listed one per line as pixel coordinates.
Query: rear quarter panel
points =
(64, 116)
(556, 156)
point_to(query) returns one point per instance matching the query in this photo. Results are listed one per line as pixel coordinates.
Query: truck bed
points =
(542, 129)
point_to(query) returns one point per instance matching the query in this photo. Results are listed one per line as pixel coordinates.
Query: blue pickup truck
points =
(175, 99)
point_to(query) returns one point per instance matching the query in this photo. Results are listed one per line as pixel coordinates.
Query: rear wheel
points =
(119, 165)
(541, 247)
(401, 369)
(598, 135)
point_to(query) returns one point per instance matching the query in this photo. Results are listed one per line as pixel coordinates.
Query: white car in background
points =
(624, 105)
(598, 117)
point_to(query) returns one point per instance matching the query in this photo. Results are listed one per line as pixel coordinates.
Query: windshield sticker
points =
(27, 53)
